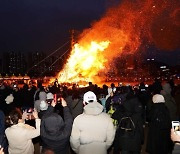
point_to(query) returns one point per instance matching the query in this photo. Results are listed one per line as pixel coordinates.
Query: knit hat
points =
(158, 98)
(43, 106)
(9, 99)
(42, 96)
(89, 97)
(49, 96)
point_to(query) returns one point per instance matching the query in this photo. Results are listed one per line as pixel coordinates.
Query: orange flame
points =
(84, 63)
(123, 29)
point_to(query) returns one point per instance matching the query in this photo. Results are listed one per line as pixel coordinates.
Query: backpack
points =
(126, 126)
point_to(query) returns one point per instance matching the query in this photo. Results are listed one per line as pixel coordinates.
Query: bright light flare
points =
(84, 63)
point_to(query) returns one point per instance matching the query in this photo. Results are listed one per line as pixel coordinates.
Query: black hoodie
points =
(55, 131)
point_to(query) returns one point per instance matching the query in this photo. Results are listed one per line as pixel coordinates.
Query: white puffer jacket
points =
(93, 131)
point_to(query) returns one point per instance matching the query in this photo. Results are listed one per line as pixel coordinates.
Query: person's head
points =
(49, 98)
(158, 98)
(51, 125)
(90, 83)
(43, 106)
(42, 95)
(14, 116)
(112, 85)
(89, 97)
(101, 96)
(167, 88)
(25, 87)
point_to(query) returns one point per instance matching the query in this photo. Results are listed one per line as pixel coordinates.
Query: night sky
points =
(44, 25)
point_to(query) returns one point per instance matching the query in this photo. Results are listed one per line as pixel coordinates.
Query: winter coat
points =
(158, 140)
(93, 131)
(76, 107)
(3, 139)
(20, 137)
(2, 122)
(2, 126)
(169, 101)
(171, 105)
(55, 132)
(130, 141)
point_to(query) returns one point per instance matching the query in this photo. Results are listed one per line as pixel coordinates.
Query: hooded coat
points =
(2, 127)
(76, 107)
(20, 137)
(55, 132)
(169, 101)
(2, 122)
(128, 142)
(93, 131)
(158, 139)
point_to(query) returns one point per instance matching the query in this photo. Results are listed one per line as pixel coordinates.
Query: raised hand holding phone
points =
(25, 115)
(63, 102)
(176, 127)
(174, 137)
(53, 104)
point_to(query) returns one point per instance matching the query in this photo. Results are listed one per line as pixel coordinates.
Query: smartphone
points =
(58, 97)
(29, 110)
(49, 101)
(176, 127)
(55, 98)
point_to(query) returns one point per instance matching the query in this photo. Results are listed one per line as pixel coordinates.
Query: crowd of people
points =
(92, 119)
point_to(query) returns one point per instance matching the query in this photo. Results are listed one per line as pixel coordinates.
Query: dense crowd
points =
(92, 119)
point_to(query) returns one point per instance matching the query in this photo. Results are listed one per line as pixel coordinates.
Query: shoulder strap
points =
(128, 119)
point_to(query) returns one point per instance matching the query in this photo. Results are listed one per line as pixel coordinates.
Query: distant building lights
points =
(165, 70)
(162, 66)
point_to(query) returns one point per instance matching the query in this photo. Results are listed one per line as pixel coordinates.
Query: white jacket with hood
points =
(93, 131)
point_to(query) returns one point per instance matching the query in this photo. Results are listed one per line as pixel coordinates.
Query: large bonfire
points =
(122, 29)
